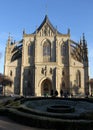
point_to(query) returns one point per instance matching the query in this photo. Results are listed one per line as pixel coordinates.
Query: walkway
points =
(7, 124)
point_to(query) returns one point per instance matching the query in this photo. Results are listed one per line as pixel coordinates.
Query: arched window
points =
(46, 51)
(63, 50)
(78, 78)
(63, 53)
(30, 50)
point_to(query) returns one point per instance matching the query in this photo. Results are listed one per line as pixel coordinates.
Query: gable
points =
(46, 28)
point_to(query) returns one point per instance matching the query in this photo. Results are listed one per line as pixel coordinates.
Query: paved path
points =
(7, 124)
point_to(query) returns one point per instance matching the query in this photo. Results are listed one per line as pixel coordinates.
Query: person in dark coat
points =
(61, 92)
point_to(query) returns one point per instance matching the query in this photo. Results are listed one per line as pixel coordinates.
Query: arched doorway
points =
(46, 87)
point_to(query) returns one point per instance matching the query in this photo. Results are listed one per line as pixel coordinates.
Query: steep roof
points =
(47, 21)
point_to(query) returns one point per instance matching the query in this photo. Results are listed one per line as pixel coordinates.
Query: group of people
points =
(62, 94)
(55, 94)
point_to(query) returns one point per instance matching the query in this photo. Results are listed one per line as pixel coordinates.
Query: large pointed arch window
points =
(78, 78)
(46, 51)
(63, 50)
(30, 49)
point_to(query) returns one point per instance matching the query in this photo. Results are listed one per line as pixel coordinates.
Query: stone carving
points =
(51, 70)
(44, 70)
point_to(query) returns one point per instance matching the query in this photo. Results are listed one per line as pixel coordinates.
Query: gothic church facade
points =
(46, 60)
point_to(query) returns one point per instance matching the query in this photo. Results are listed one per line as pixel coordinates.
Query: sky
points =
(17, 15)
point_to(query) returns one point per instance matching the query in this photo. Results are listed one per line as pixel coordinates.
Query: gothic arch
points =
(30, 49)
(63, 49)
(46, 51)
(45, 40)
(46, 86)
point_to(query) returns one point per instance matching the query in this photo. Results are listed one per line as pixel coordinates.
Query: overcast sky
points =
(16, 15)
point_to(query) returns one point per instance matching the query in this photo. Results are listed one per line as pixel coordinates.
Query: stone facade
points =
(46, 60)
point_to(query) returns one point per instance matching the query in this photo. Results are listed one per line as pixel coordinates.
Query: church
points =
(46, 60)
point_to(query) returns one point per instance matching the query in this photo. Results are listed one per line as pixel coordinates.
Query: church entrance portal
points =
(46, 87)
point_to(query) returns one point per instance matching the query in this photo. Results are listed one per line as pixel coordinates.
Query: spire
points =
(68, 31)
(83, 36)
(85, 50)
(9, 40)
(46, 17)
(83, 39)
(23, 31)
(80, 41)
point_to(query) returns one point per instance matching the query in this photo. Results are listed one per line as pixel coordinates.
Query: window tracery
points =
(46, 51)
(63, 50)
(30, 49)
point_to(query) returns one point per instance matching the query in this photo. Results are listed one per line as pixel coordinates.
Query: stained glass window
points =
(63, 50)
(46, 51)
(30, 49)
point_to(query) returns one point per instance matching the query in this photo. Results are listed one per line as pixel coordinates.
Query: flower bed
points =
(33, 112)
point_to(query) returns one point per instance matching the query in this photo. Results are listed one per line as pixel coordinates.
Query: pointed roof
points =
(46, 20)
